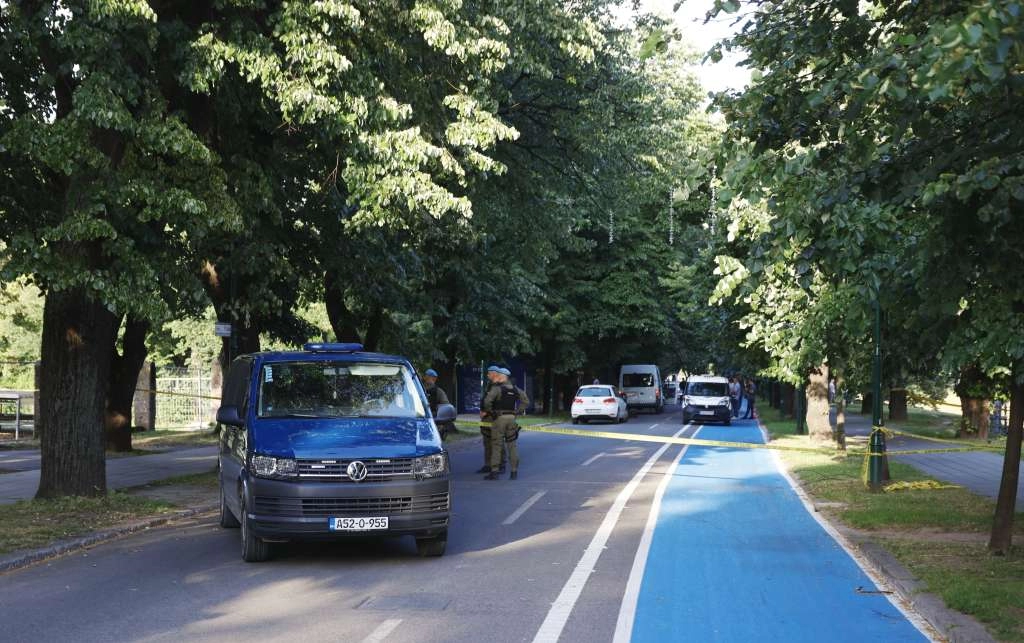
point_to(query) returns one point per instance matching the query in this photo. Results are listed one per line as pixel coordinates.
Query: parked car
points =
(327, 443)
(706, 398)
(642, 385)
(599, 402)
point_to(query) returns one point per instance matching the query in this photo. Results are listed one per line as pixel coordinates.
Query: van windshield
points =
(636, 380)
(330, 389)
(707, 389)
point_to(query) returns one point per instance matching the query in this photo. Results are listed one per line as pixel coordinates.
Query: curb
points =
(28, 557)
(952, 625)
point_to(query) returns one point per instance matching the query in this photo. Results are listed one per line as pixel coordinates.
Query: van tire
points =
(575, 420)
(227, 519)
(254, 549)
(433, 546)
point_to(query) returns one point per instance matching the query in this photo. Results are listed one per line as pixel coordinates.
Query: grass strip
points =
(971, 581)
(35, 523)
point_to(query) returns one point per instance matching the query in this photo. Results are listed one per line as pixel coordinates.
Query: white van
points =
(642, 385)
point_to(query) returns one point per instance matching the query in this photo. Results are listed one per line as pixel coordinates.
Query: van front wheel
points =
(254, 549)
(433, 546)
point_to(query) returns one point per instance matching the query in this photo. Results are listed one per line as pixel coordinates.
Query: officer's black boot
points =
(493, 475)
(513, 475)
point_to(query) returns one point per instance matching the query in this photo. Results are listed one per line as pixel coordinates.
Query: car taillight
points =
(610, 400)
(578, 400)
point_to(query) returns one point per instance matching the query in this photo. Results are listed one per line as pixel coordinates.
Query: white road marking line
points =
(383, 630)
(627, 612)
(522, 509)
(560, 610)
(591, 460)
(915, 619)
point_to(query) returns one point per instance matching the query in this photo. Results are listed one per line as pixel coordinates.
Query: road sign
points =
(222, 329)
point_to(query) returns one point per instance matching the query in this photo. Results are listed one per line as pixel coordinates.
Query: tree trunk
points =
(840, 412)
(897, 404)
(124, 376)
(548, 385)
(337, 313)
(1002, 524)
(866, 401)
(974, 388)
(788, 403)
(77, 344)
(975, 417)
(374, 329)
(819, 427)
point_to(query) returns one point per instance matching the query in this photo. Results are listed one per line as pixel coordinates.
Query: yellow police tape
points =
(918, 484)
(550, 428)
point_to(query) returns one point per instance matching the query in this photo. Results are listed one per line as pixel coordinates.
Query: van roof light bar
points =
(328, 347)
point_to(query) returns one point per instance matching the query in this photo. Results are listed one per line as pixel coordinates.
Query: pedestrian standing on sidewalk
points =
(750, 393)
(735, 392)
(503, 403)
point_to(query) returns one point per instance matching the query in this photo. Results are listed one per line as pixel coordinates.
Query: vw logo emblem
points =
(356, 471)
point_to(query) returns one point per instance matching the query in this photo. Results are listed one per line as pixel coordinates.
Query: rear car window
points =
(328, 389)
(637, 379)
(707, 389)
(594, 391)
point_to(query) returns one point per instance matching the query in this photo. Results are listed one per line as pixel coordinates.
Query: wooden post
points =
(145, 398)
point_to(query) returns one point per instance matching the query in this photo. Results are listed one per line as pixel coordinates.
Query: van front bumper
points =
(285, 510)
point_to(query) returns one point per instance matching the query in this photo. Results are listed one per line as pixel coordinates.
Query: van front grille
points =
(377, 470)
(383, 506)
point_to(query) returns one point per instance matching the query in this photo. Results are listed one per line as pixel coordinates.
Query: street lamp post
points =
(878, 466)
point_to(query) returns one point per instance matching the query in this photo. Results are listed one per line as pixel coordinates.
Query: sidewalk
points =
(124, 472)
(978, 471)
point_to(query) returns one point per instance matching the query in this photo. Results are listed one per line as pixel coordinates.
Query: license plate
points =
(591, 411)
(358, 524)
(707, 412)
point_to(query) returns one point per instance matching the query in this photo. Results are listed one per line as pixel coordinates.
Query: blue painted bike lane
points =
(735, 556)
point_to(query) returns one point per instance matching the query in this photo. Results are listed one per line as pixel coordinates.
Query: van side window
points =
(236, 387)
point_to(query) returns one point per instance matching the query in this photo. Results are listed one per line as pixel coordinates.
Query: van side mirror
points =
(229, 415)
(445, 413)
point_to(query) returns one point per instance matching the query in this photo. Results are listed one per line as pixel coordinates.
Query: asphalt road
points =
(547, 557)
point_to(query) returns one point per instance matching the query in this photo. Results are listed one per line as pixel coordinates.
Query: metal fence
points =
(17, 412)
(185, 399)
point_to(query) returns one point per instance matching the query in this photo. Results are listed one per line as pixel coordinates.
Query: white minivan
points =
(642, 386)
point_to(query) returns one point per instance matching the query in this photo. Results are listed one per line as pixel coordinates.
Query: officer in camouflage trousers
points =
(502, 404)
(485, 431)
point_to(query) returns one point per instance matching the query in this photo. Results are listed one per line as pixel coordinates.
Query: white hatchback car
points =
(599, 402)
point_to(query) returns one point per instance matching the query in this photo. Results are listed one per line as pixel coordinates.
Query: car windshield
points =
(635, 380)
(707, 389)
(594, 391)
(326, 389)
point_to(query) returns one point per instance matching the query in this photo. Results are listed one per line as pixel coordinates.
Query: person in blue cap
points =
(436, 397)
(503, 403)
(485, 427)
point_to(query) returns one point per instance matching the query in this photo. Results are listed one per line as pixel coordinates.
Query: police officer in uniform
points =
(503, 403)
(436, 397)
(485, 431)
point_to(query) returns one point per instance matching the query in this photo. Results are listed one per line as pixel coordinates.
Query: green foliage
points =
(883, 145)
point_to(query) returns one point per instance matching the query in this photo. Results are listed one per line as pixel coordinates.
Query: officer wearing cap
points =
(485, 430)
(435, 397)
(503, 403)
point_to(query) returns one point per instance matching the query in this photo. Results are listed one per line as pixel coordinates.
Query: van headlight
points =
(431, 466)
(266, 466)
(725, 401)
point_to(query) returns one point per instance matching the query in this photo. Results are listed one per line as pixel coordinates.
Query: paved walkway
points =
(130, 471)
(978, 471)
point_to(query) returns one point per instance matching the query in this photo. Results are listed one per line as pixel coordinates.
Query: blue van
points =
(330, 442)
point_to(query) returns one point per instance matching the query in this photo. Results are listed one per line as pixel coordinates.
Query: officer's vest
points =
(508, 399)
